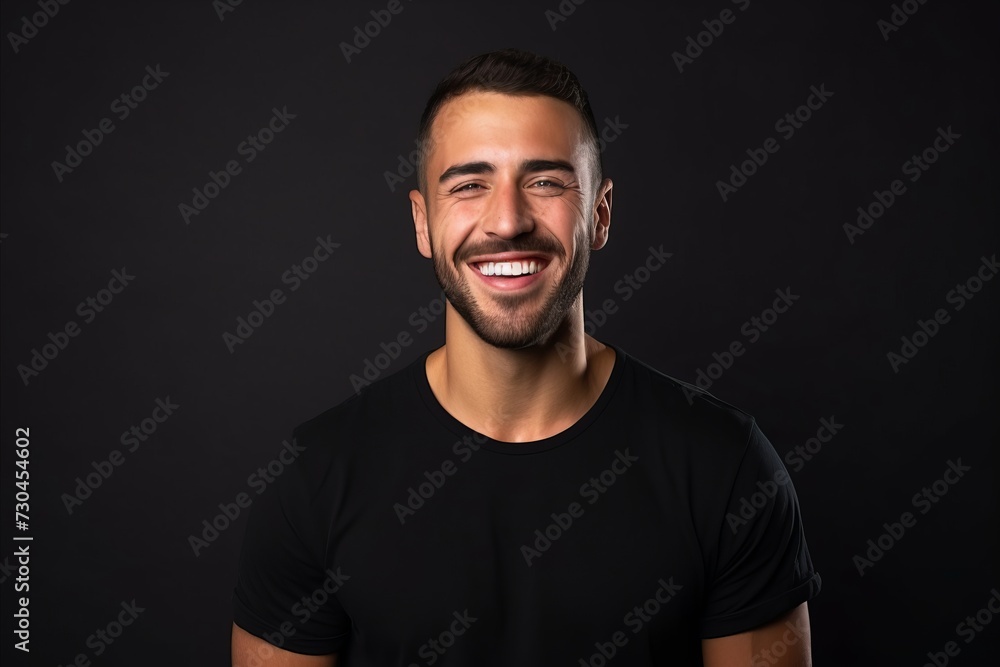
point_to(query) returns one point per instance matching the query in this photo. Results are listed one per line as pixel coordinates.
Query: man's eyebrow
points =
(465, 169)
(531, 166)
(527, 166)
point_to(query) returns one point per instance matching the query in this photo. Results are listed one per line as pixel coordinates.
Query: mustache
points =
(541, 245)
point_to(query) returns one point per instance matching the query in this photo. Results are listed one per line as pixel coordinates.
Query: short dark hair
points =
(510, 72)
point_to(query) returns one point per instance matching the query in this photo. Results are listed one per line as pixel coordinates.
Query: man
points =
(523, 495)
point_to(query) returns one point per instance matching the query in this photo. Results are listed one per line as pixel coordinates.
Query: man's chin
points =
(505, 341)
(503, 328)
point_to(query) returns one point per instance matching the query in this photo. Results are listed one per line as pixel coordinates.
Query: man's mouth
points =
(510, 274)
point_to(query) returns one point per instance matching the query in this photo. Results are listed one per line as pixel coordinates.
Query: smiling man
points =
(524, 494)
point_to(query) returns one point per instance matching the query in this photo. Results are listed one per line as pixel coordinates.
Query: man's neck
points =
(518, 395)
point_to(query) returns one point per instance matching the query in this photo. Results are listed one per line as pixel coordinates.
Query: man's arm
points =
(784, 642)
(252, 651)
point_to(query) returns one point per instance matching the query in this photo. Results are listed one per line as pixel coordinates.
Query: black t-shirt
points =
(402, 537)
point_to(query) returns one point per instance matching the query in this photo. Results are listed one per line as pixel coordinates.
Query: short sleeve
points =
(763, 568)
(284, 593)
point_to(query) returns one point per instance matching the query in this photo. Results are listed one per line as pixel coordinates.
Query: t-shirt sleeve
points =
(284, 593)
(763, 568)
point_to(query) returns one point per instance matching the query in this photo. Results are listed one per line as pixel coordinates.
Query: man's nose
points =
(508, 214)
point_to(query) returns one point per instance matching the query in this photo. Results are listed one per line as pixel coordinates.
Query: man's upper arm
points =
(760, 567)
(783, 642)
(251, 651)
(285, 591)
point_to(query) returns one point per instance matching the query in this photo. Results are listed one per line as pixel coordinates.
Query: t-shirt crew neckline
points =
(454, 425)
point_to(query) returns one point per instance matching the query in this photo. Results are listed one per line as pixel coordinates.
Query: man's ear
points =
(602, 214)
(418, 208)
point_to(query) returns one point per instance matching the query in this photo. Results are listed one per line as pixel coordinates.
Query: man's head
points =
(511, 172)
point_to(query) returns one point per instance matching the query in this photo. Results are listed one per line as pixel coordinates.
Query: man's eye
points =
(548, 188)
(468, 187)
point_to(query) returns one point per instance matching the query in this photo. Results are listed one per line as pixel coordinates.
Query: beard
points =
(516, 320)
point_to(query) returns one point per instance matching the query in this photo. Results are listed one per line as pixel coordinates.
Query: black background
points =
(325, 175)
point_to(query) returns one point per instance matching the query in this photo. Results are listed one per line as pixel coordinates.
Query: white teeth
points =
(509, 268)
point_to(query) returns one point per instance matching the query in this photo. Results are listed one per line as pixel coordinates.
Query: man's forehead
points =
(482, 118)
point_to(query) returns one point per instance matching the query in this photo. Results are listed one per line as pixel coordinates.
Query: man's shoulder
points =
(685, 404)
(368, 405)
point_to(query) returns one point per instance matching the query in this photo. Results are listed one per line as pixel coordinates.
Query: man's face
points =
(509, 182)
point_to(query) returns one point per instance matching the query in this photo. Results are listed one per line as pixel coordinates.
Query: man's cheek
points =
(567, 206)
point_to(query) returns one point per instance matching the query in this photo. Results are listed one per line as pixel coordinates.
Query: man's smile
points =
(509, 271)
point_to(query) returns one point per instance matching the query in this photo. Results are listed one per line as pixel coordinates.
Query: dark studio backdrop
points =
(168, 166)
